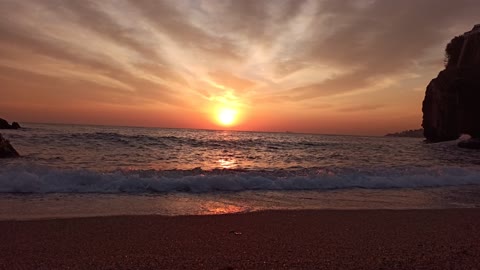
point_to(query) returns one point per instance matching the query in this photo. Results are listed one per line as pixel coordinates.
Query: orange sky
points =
(343, 67)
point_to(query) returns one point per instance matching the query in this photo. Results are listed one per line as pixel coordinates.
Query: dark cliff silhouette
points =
(451, 105)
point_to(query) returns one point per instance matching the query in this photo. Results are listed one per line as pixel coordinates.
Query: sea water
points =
(74, 170)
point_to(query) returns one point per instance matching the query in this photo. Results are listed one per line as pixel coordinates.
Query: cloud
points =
(379, 38)
(361, 108)
(231, 81)
(283, 51)
(333, 86)
(33, 48)
(178, 26)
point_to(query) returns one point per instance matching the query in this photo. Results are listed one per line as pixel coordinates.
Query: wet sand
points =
(358, 239)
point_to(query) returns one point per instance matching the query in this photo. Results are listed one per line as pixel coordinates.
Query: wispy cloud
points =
(170, 52)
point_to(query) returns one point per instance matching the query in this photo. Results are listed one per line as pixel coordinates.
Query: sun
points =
(226, 116)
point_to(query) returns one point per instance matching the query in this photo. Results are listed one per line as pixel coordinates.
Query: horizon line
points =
(203, 129)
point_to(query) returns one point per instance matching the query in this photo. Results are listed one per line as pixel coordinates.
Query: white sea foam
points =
(27, 179)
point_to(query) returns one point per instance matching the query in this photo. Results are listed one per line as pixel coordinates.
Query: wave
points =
(35, 179)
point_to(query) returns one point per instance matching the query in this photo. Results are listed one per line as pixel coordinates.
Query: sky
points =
(318, 66)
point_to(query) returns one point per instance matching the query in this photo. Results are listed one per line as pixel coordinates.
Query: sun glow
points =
(226, 116)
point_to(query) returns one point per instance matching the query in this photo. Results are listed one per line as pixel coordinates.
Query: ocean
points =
(77, 171)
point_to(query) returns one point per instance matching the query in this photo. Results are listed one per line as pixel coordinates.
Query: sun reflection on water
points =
(227, 163)
(217, 208)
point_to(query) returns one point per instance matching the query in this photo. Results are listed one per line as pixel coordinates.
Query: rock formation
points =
(451, 105)
(5, 125)
(16, 125)
(6, 149)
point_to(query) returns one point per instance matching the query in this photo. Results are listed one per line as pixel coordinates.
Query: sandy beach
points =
(363, 239)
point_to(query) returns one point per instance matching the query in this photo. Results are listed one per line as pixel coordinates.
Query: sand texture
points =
(363, 239)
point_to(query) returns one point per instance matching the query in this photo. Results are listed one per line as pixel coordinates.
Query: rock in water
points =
(5, 125)
(6, 149)
(16, 125)
(451, 105)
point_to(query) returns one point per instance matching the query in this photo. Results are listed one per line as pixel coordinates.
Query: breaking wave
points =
(41, 179)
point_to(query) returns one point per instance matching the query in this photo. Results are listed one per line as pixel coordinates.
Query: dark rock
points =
(5, 125)
(16, 125)
(470, 144)
(6, 149)
(451, 105)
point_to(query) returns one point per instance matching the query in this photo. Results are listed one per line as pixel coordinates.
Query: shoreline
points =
(240, 213)
(279, 239)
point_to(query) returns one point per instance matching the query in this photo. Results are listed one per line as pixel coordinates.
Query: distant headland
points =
(411, 133)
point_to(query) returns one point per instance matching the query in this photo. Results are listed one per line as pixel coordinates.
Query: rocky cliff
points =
(452, 101)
